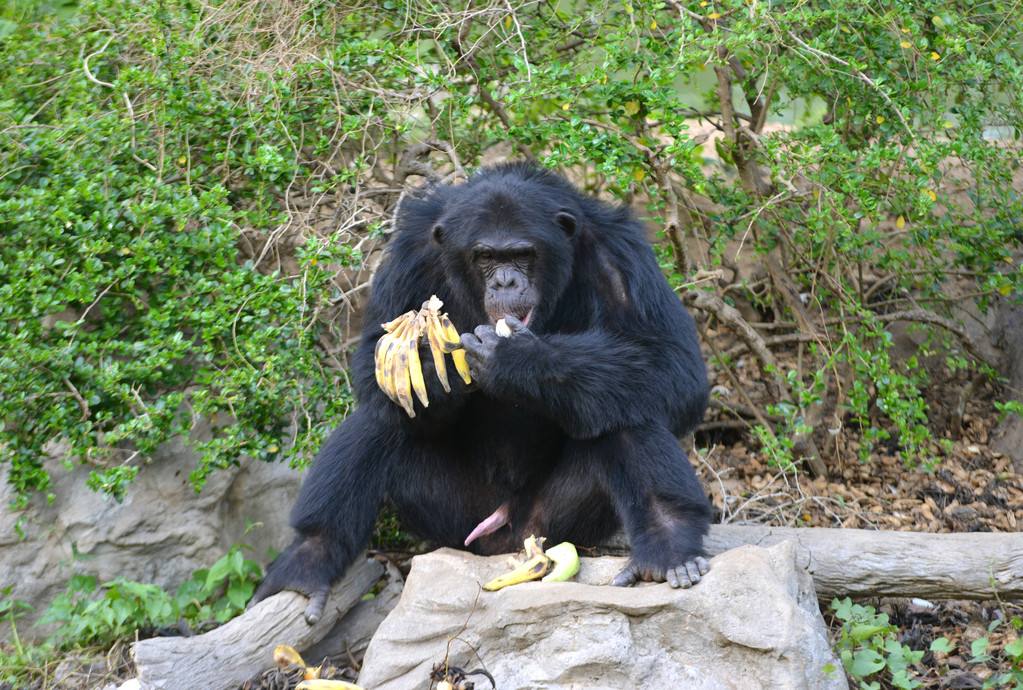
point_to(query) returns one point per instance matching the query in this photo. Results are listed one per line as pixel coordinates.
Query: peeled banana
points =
(398, 369)
(558, 564)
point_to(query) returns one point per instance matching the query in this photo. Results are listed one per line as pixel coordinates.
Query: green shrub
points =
(189, 188)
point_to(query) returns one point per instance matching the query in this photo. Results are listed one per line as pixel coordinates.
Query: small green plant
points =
(93, 613)
(1008, 661)
(869, 648)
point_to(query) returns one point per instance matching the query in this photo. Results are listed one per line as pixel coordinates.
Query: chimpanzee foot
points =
(684, 576)
(313, 610)
(317, 602)
(302, 568)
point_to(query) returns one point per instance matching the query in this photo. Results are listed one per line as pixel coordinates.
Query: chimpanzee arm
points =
(596, 381)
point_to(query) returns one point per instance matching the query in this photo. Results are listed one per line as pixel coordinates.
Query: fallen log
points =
(876, 563)
(227, 656)
(859, 563)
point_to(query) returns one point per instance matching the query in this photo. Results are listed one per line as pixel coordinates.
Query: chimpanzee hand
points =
(481, 344)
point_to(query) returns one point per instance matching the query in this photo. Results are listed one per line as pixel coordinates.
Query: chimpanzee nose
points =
(507, 279)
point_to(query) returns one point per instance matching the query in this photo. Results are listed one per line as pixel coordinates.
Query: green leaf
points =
(220, 570)
(865, 662)
(863, 632)
(1015, 649)
(942, 645)
(978, 648)
(902, 680)
(239, 592)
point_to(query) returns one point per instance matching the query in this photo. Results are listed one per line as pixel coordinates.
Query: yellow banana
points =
(461, 365)
(391, 349)
(452, 341)
(394, 323)
(400, 376)
(378, 360)
(415, 369)
(437, 350)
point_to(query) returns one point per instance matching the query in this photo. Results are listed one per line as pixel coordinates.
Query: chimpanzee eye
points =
(484, 255)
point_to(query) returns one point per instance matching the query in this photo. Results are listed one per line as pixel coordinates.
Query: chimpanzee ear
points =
(567, 222)
(437, 233)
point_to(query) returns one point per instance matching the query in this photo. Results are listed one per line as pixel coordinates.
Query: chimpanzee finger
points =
(487, 334)
(673, 578)
(702, 564)
(627, 577)
(317, 602)
(515, 325)
(472, 344)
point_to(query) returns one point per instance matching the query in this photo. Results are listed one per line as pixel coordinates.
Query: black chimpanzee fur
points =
(572, 423)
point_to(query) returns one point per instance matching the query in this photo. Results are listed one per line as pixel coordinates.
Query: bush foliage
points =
(193, 192)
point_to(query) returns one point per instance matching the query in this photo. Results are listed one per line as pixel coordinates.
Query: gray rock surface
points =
(752, 623)
(160, 533)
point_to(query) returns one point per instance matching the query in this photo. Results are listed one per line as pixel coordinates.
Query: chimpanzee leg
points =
(658, 498)
(335, 510)
(440, 495)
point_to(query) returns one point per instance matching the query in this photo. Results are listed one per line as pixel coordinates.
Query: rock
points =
(351, 635)
(160, 533)
(753, 622)
(226, 656)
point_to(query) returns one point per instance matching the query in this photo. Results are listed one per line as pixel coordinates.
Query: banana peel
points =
(397, 365)
(557, 564)
(566, 562)
(285, 655)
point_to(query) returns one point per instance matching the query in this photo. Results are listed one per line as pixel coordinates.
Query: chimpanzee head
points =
(507, 243)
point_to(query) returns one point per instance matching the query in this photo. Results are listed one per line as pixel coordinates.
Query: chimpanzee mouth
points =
(523, 314)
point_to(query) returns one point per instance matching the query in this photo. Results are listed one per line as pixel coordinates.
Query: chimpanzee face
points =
(513, 257)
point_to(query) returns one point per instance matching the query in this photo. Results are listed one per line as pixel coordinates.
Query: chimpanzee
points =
(570, 426)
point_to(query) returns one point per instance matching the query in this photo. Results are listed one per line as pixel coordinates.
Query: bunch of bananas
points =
(399, 371)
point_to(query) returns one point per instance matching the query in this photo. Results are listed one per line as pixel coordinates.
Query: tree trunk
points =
(859, 563)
